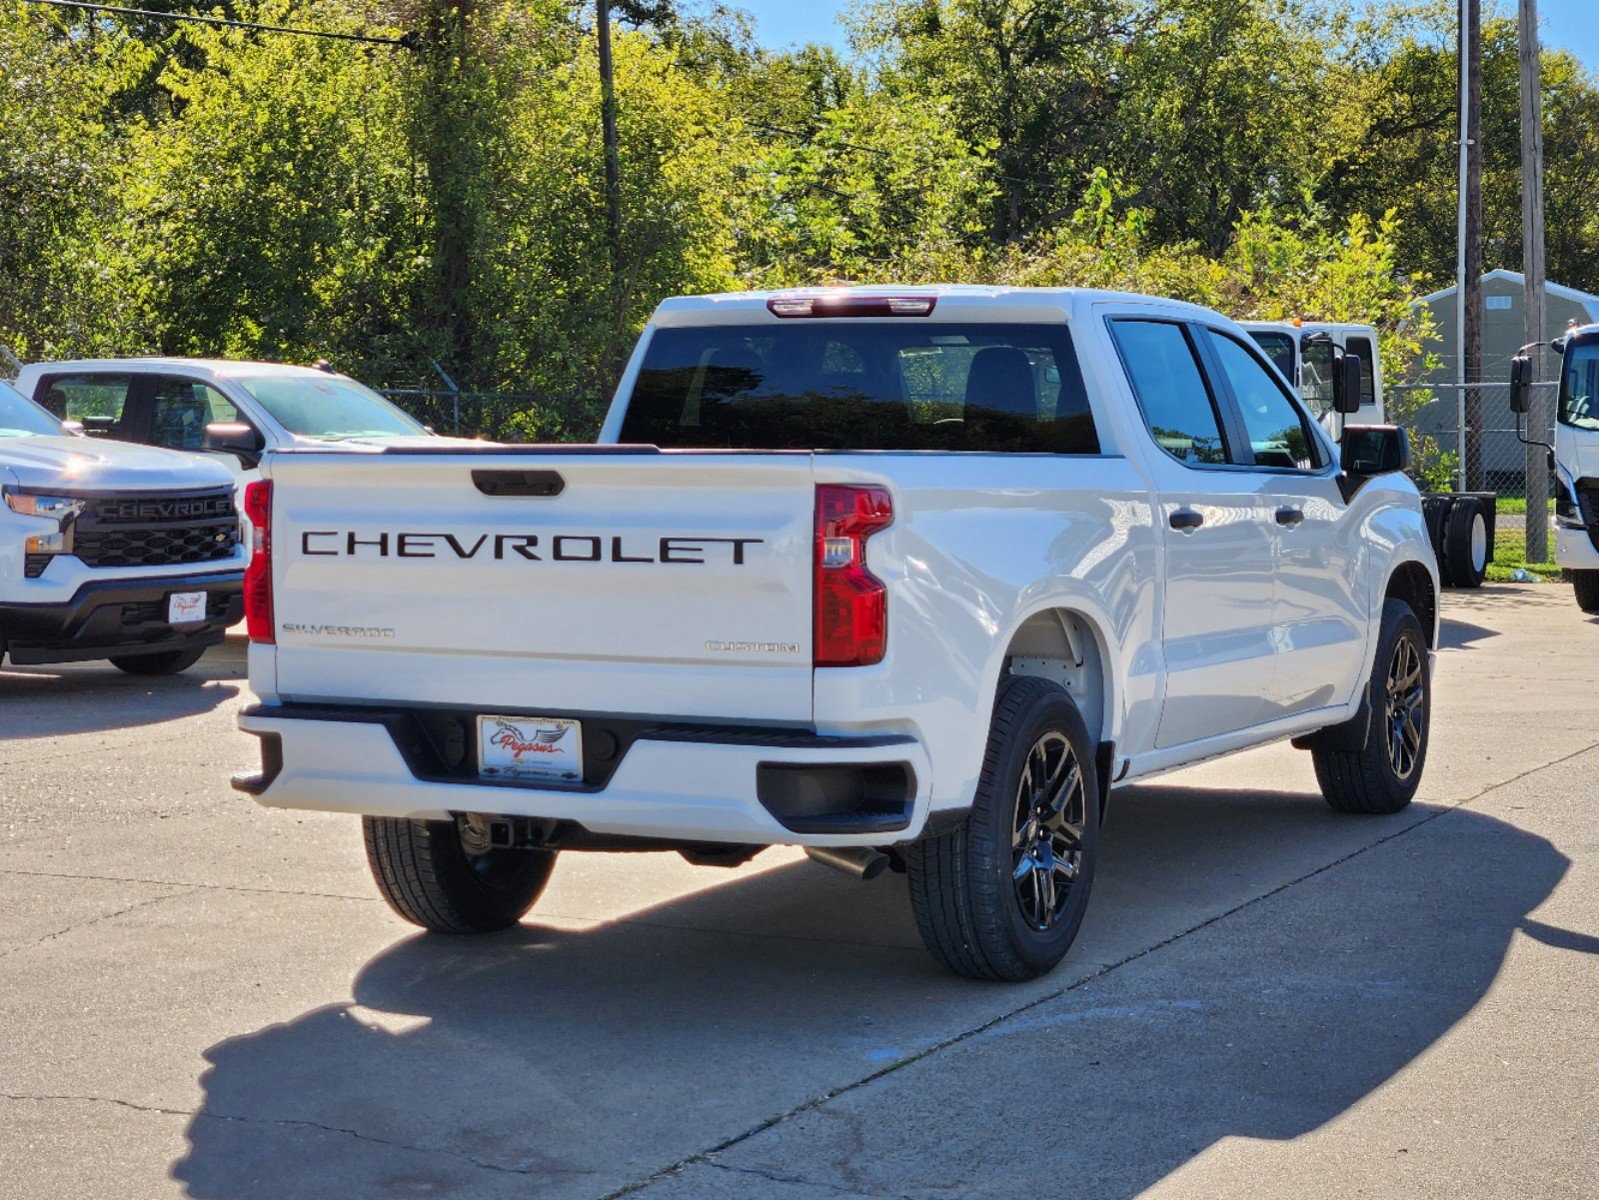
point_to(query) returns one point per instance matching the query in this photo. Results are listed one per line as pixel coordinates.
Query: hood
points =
(89, 464)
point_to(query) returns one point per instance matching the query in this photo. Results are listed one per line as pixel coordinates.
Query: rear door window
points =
(863, 385)
(182, 408)
(1163, 367)
(97, 401)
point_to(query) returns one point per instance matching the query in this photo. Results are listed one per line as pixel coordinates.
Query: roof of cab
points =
(960, 301)
(213, 368)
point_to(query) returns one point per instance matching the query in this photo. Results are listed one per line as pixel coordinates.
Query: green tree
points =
(1033, 82)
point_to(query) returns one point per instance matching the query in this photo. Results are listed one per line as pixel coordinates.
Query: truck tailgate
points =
(590, 581)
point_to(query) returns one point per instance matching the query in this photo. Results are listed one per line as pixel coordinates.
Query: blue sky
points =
(1567, 23)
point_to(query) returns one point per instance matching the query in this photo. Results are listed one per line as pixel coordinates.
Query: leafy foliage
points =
(439, 210)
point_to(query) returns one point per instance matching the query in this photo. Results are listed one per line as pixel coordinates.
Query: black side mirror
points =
(1346, 383)
(1520, 384)
(1366, 451)
(227, 437)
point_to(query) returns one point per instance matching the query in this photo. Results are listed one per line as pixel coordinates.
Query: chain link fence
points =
(1471, 433)
(502, 416)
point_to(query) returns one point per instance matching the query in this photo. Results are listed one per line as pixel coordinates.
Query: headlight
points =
(63, 509)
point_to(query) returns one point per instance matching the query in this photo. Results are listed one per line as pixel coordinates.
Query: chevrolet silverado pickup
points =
(907, 577)
(109, 550)
(229, 411)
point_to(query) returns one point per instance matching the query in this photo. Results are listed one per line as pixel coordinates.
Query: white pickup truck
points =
(111, 551)
(230, 411)
(906, 577)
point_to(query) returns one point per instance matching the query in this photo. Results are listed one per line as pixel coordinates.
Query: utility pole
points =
(1471, 266)
(450, 148)
(1532, 241)
(613, 165)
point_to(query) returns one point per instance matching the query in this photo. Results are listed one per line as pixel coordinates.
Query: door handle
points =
(1186, 519)
(1289, 516)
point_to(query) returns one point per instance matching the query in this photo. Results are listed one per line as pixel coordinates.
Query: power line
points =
(256, 26)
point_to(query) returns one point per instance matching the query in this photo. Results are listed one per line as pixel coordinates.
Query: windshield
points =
(329, 407)
(1279, 347)
(22, 418)
(863, 385)
(1579, 387)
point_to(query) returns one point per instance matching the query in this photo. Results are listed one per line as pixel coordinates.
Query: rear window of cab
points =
(863, 385)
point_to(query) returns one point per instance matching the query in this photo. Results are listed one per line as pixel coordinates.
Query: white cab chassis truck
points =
(1575, 457)
(109, 550)
(906, 577)
(1310, 355)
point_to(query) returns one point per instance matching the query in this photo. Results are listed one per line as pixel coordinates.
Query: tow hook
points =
(481, 833)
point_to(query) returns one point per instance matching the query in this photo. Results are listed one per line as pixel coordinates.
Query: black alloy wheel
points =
(1047, 847)
(1403, 704)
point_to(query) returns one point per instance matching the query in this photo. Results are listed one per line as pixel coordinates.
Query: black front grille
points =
(156, 530)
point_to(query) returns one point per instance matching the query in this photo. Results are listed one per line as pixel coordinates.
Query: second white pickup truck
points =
(907, 577)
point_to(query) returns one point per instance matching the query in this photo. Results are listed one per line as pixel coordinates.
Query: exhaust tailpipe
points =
(860, 861)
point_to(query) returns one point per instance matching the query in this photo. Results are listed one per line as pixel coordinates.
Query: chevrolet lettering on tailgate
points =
(531, 547)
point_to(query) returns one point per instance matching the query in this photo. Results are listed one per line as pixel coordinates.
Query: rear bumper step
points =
(660, 780)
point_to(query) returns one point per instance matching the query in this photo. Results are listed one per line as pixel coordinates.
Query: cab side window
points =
(1279, 435)
(95, 401)
(1163, 367)
(182, 408)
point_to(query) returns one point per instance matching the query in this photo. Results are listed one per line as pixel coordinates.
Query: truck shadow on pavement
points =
(45, 702)
(569, 1059)
(1455, 634)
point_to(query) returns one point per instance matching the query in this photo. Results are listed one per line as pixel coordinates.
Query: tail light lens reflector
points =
(851, 604)
(258, 617)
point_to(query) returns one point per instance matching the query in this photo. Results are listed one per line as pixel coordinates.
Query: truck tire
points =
(431, 881)
(1466, 543)
(1382, 776)
(1001, 896)
(168, 662)
(1435, 515)
(1586, 584)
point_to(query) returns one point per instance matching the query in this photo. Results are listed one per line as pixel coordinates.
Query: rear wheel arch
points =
(1067, 647)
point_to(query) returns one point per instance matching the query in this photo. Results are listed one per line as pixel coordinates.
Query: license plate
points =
(529, 748)
(184, 607)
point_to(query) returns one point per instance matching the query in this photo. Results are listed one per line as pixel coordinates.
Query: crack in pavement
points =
(197, 887)
(1443, 809)
(290, 1123)
(95, 920)
(626, 919)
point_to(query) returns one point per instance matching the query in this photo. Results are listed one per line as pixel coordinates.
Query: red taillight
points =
(851, 602)
(258, 575)
(849, 304)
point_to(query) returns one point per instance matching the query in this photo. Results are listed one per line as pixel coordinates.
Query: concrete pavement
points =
(205, 998)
